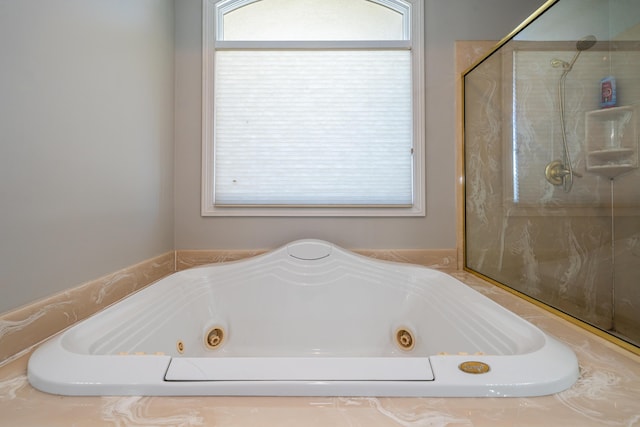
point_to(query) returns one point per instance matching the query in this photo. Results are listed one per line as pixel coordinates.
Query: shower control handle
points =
(556, 171)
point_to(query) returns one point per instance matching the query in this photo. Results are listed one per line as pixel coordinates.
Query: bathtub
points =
(307, 319)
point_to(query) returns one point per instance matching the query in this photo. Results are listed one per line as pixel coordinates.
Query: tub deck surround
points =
(440, 259)
(306, 319)
(28, 325)
(606, 394)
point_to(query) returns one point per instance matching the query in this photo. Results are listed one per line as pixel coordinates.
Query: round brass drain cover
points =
(474, 367)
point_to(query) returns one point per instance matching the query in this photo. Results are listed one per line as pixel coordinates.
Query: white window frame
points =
(414, 33)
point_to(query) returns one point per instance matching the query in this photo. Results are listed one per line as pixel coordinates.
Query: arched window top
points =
(301, 20)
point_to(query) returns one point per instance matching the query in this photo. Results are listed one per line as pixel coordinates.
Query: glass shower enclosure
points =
(552, 183)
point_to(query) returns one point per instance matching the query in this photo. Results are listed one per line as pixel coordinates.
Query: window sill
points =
(313, 211)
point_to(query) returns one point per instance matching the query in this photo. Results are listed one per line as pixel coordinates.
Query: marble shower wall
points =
(577, 251)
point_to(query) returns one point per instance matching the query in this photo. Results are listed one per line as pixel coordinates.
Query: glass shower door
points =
(552, 185)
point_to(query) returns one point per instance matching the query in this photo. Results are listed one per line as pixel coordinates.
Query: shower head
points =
(584, 43)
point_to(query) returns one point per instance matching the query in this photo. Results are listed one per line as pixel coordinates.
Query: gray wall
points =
(446, 22)
(87, 111)
(86, 141)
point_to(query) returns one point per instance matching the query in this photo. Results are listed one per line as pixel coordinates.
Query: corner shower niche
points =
(612, 140)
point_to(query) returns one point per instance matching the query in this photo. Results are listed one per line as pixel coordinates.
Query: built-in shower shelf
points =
(612, 155)
(611, 171)
(612, 140)
(614, 113)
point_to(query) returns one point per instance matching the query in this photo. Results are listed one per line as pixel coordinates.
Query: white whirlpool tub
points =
(308, 319)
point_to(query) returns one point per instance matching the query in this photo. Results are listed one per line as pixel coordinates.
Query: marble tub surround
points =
(28, 325)
(192, 258)
(440, 259)
(605, 395)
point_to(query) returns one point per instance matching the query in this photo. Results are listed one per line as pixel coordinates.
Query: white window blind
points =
(313, 127)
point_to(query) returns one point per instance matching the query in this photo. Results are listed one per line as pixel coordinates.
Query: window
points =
(313, 108)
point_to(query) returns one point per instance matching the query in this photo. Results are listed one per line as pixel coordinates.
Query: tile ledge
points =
(30, 324)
